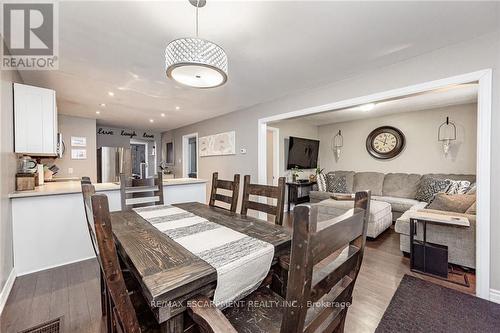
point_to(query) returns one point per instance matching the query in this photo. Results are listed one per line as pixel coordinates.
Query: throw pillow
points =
(321, 182)
(336, 184)
(472, 189)
(472, 209)
(458, 186)
(429, 187)
(457, 203)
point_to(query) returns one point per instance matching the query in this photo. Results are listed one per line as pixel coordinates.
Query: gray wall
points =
(422, 154)
(81, 127)
(8, 166)
(477, 54)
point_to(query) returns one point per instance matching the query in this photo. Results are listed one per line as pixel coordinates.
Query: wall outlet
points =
(70, 171)
(243, 151)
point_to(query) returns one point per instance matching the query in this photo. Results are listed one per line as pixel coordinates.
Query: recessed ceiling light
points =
(367, 107)
(177, 107)
(163, 115)
(110, 93)
(151, 121)
(98, 112)
(102, 105)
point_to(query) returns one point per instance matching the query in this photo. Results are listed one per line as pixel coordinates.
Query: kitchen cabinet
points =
(35, 120)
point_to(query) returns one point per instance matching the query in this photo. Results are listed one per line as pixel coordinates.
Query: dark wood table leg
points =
(173, 325)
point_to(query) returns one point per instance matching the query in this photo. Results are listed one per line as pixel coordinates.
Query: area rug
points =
(421, 306)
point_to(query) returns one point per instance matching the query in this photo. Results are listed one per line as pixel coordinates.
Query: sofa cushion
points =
(398, 204)
(429, 187)
(402, 185)
(452, 176)
(373, 181)
(317, 196)
(471, 210)
(458, 203)
(349, 178)
(336, 184)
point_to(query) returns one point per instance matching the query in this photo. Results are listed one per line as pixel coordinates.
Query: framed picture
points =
(218, 144)
(78, 141)
(78, 154)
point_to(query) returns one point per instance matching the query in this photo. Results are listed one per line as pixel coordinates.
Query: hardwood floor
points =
(72, 292)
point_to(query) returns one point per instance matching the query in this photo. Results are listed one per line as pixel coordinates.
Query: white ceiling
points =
(274, 49)
(453, 95)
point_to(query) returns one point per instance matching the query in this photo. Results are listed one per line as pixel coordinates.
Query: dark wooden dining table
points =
(167, 273)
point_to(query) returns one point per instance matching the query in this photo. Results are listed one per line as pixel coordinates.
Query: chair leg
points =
(340, 327)
(109, 317)
(103, 294)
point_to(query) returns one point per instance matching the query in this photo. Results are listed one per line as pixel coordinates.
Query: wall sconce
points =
(338, 142)
(447, 132)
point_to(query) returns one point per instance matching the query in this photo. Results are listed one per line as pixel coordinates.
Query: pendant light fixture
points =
(196, 62)
(447, 132)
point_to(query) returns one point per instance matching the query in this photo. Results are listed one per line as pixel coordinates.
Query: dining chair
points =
(233, 186)
(141, 192)
(267, 191)
(128, 312)
(87, 191)
(319, 291)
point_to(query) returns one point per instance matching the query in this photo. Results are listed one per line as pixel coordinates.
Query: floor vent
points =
(53, 326)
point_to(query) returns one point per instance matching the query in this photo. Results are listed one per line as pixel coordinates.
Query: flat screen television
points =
(302, 153)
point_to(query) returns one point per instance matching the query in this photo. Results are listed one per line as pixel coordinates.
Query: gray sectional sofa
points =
(399, 190)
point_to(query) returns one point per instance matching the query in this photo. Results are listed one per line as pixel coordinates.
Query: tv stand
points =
(298, 192)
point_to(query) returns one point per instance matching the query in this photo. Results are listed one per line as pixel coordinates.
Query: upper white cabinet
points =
(35, 120)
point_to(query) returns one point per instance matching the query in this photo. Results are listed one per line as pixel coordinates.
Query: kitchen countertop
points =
(58, 188)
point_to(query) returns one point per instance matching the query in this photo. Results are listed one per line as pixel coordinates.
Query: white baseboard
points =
(4, 295)
(54, 266)
(495, 295)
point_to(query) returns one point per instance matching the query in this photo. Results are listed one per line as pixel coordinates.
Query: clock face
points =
(385, 142)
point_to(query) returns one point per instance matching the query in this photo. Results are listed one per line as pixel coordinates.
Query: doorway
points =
(190, 155)
(139, 152)
(272, 156)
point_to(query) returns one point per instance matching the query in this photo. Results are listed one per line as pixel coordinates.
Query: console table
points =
(298, 192)
(429, 258)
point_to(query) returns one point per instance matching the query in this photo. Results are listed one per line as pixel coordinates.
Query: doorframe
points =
(185, 163)
(276, 153)
(145, 144)
(483, 155)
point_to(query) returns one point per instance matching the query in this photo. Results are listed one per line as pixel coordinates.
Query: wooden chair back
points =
(268, 191)
(233, 186)
(87, 191)
(122, 309)
(141, 192)
(329, 286)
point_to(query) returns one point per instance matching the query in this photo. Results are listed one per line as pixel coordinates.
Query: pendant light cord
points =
(197, 6)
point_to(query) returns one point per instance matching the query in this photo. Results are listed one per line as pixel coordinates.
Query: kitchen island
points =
(49, 225)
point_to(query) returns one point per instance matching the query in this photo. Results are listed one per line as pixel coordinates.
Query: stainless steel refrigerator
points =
(111, 162)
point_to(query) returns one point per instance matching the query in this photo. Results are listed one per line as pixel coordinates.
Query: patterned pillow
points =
(458, 186)
(429, 187)
(472, 189)
(321, 182)
(336, 184)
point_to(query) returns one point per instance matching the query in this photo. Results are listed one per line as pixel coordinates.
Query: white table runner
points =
(242, 262)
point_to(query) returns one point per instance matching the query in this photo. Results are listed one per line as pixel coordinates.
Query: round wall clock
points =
(385, 142)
